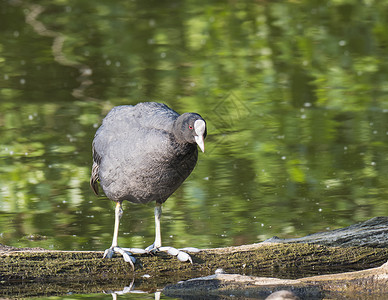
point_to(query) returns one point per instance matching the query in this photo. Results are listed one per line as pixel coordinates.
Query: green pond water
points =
(295, 95)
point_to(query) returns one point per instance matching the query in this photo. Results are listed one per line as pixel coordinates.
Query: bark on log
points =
(371, 233)
(35, 272)
(367, 284)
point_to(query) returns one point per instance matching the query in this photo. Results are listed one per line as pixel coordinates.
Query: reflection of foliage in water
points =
(308, 152)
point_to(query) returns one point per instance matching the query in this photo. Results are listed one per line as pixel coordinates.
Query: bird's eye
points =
(190, 127)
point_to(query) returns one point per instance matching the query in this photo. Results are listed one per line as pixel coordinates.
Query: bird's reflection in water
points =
(130, 289)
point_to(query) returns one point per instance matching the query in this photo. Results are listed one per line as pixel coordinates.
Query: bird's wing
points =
(96, 164)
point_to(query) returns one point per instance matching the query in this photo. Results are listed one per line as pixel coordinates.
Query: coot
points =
(143, 153)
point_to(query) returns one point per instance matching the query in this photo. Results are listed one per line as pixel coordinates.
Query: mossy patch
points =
(87, 271)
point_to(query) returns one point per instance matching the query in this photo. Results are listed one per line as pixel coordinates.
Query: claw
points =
(170, 250)
(123, 251)
(135, 250)
(130, 259)
(190, 249)
(173, 251)
(108, 253)
(183, 256)
(151, 248)
(127, 256)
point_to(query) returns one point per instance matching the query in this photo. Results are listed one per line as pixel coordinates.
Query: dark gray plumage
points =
(143, 153)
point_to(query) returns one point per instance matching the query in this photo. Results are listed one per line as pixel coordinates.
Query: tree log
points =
(371, 233)
(367, 284)
(37, 272)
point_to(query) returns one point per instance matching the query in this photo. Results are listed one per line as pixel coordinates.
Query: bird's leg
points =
(157, 245)
(158, 237)
(118, 213)
(115, 248)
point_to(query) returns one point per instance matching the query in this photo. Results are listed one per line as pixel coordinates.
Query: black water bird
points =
(143, 153)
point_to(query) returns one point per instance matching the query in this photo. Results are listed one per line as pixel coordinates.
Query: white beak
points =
(200, 142)
(199, 127)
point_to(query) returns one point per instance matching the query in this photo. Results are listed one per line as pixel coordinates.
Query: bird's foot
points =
(125, 252)
(151, 249)
(181, 254)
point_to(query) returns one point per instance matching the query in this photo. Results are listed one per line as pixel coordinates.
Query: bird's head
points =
(191, 128)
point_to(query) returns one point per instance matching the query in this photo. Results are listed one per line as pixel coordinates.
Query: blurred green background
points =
(295, 94)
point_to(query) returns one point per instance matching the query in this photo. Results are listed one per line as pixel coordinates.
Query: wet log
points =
(371, 233)
(367, 284)
(35, 272)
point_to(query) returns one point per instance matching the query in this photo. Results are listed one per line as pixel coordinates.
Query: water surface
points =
(294, 93)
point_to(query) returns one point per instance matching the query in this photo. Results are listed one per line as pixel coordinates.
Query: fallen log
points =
(371, 233)
(367, 284)
(36, 272)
